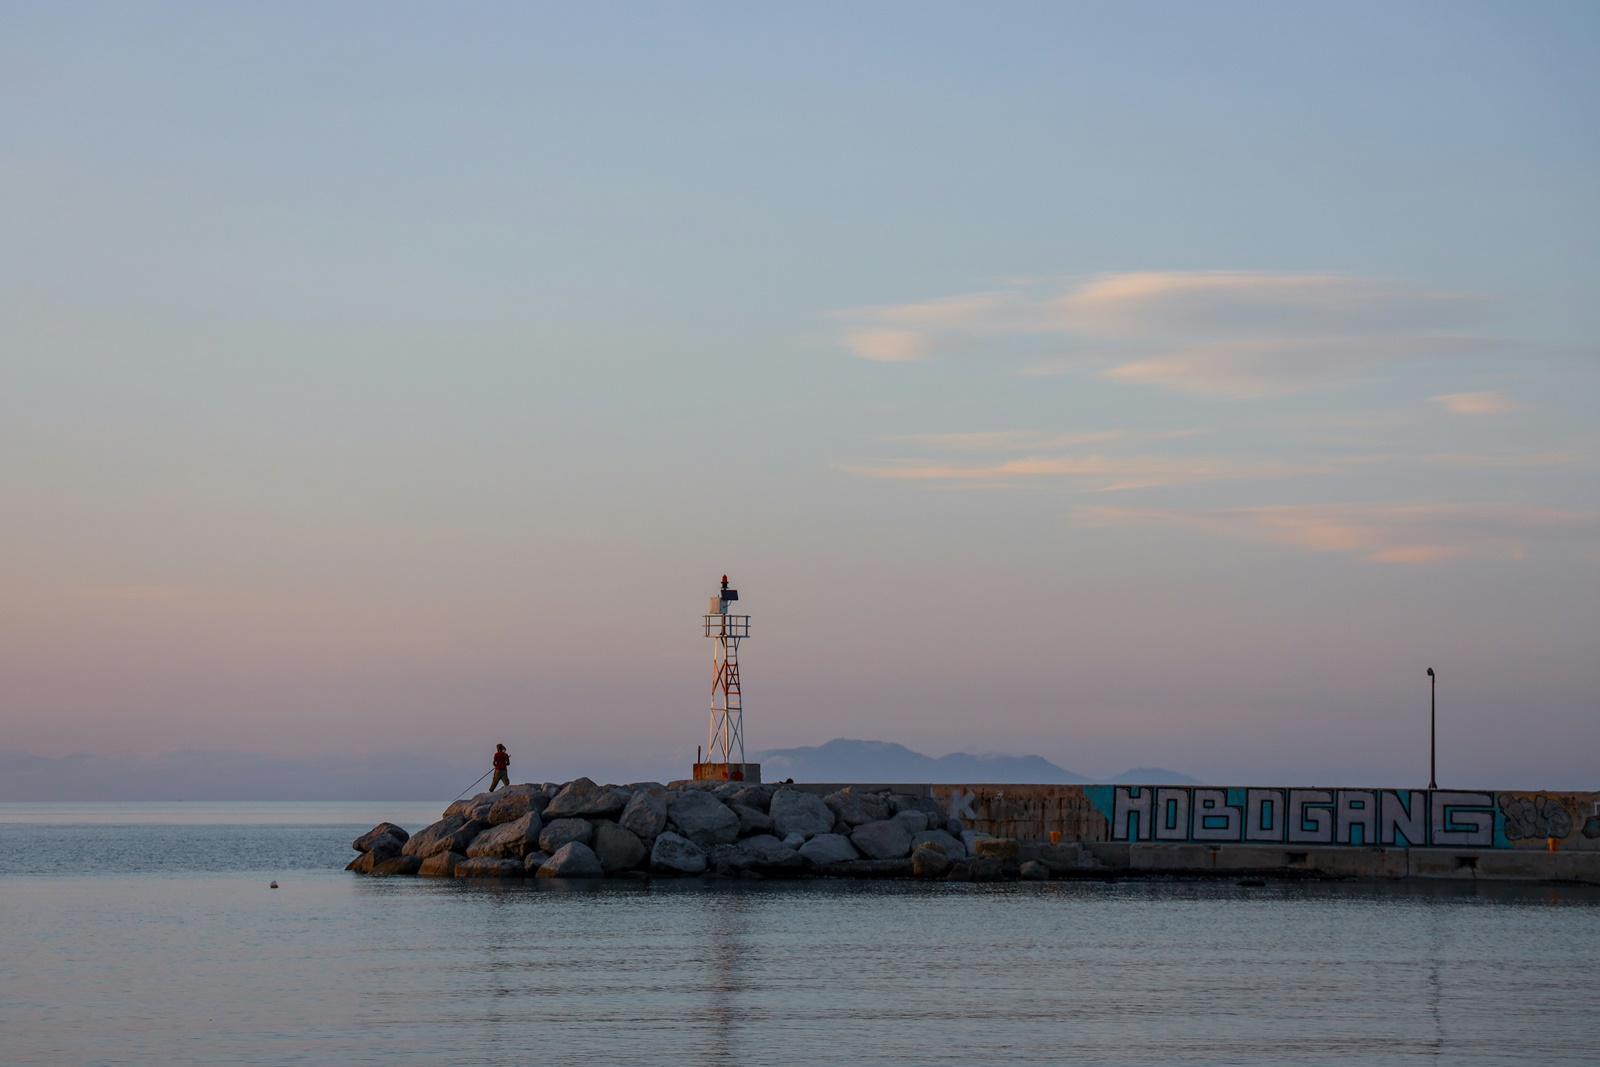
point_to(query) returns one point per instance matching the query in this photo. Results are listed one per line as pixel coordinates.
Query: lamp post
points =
(1433, 725)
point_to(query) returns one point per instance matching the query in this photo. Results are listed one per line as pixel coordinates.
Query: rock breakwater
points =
(579, 829)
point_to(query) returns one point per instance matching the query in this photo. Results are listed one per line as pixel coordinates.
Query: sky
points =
(1130, 385)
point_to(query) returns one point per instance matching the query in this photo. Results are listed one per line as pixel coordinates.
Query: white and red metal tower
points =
(724, 756)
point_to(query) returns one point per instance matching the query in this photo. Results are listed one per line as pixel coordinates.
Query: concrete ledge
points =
(1455, 864)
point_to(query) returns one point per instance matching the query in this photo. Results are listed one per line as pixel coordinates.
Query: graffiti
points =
(1389, 817)
(1535, 815)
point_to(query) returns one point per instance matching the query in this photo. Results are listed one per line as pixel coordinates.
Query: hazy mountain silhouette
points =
(845, 760)
(1153, 776)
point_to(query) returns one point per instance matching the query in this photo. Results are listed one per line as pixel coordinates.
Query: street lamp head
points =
(1430, 672)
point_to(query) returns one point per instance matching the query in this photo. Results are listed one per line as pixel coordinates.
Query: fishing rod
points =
(481, 777)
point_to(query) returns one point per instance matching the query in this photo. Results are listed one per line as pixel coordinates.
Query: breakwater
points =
(580, 829)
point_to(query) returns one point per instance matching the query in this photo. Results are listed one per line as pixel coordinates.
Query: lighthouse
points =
(724, 752)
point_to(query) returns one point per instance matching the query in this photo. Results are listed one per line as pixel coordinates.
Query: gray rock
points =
(397, 864)
(488, 867)
(702, 818)
(952, 848)
(533, 861)
(451, 834)
(646, 813)
(930, 861)
(441, 864)
(508, 841)
(618, 849)
(882, 840)
(512, 804)
(857, 809)
(572, 860)
(794, 812)
(475, 808)
(829, 848)
(674, 854)
(364, 863)
(954, 826)
(794, 841)
(726, 790)
(751, 820)
(997, 848)
(582, 799)
(915, 822)
(899, 802)
(383, 829)
(755, 796)
(1034, 871)
(557, 834)
(381, 848)
(771, 855)
(763, 852)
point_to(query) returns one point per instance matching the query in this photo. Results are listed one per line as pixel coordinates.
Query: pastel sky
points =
(1151, 384)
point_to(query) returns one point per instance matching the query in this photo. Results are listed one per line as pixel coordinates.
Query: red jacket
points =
(502, 759)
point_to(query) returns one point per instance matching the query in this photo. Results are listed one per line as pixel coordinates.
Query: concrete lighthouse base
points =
(727, 772)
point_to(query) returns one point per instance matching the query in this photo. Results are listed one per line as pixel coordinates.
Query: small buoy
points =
(274, 885)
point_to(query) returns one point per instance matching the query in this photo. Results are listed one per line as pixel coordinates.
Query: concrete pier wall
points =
(1469, 835)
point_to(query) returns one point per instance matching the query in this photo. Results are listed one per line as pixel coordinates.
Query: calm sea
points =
(148, 935)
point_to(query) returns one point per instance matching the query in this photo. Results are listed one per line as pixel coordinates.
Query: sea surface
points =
(148, 934)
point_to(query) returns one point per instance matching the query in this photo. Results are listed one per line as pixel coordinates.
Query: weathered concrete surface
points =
(1485, 865)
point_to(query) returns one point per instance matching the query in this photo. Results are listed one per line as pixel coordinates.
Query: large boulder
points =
(364, 863)
(646, 813)
(572, 860)
(952, 848)
(755, 796)
(674, 854)
(513, 803)
(882, 840)
(508, 841)
(751, 820)
(795, 812)
(533, 861)
(899, 802)
(618, 849)
(702, 818)
(441, 864)
(857, 809)
(383, 830)
(929, 861)
(1034, 871)
(914, 821)
(794, 841)
(398, 865)
(1004, 849)
(582, 799)
(562, 831)
(451, 834)
(770, 855)
(476, 807)
(829, 848)
(488, 867)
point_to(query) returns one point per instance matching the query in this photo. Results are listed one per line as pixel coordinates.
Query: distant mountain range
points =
(844, 760)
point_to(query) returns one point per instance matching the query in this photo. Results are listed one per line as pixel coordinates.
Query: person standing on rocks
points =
(502, 765)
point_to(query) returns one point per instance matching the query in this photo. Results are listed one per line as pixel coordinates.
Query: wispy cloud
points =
(1217, 333)
(1089, 473)
(1485, 403)
(1505, 460)
(1031, 440)
(1423, 533)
